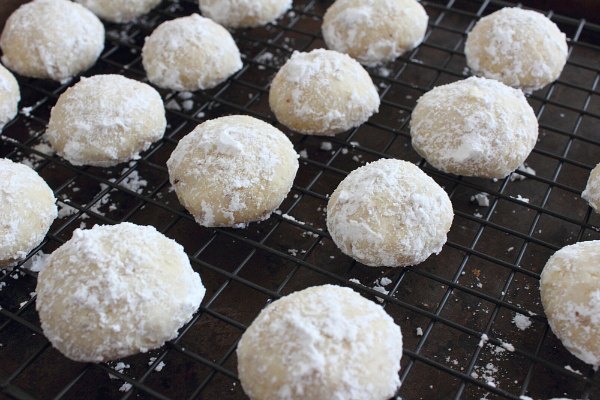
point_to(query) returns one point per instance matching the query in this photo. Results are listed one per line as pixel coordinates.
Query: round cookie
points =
(374, 31)
(190, 53)
(232, 170)
(10, 95)
(322, 93)
(244, 13)
(324, 342)
(570, 291)
(520, 48)
(51, 39)
(106, 120)
(113, 291)
(474, 127)
(119, 11)
(27, 209)
(389, 213)
(591, 194)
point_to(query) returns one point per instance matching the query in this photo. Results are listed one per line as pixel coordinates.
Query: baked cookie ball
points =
(27, 209)
(232, 170)
(113, 291)
(106, 120)
(244, 13)
(474, 127)
(10, 95)
(190, 53)
(322, 93)
(51, 39)
(374, 31)
(389, 213)
(119, 10)
(325, 342)
(520, 48)
(570, 290)
(591, 194)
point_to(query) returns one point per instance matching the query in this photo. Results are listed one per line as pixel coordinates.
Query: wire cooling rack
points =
(486, 275)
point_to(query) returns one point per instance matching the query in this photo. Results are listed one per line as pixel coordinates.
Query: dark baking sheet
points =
(487, 272)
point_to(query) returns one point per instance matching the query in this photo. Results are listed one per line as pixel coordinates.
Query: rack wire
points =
(486, 275)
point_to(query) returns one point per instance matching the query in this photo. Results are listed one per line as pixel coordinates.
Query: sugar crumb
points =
(522, 322)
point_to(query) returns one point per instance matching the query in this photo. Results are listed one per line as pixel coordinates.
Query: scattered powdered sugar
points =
(173, 105)
(327, 146)
(33, 160)
(133, 181)
(65, 210)
(520, 198)
(569, 368)
(419, 331)
(522, 168)
(484, 340)
(126, 387)
(385, 281)
(160, 366)
(487, 373)
(37, 262)
(185, 95)
(288, 217)
(264, 57)
(481, 199)
(120, 367)
(522, 322)
(508, 346)
(381, 290)
(187, 105)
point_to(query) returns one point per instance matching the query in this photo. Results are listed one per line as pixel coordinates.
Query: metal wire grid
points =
(244, 269)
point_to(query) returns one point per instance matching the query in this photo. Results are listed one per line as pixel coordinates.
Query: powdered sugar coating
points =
(325, 342)
(520, 48)
(10, 95)
(51, 39)
(592, 190)
(27, 209)
(374, 31)
(119, 11)
(244, 13)
(322, 92)
(232, 170)
(474, 127)
(113, 291)
(570, 291)
(106, 120)
(190, 53)
(389, 213)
